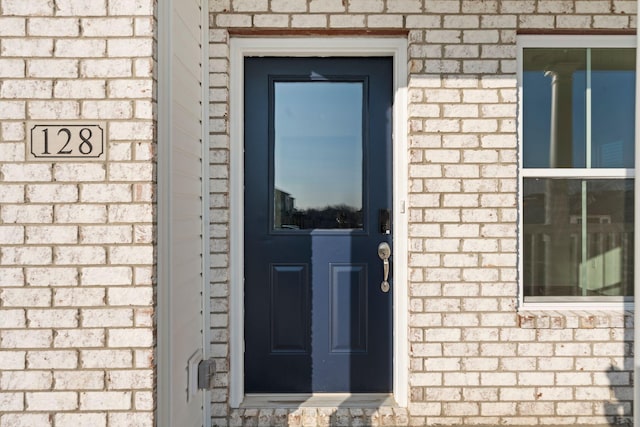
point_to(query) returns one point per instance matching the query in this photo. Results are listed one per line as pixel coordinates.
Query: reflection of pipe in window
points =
(584, 271)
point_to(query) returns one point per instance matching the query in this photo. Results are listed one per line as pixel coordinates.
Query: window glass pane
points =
(613, 107)
(578, 237)
(318, 155)
(554, 108)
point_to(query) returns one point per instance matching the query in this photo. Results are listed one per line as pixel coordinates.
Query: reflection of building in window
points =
(284, 206)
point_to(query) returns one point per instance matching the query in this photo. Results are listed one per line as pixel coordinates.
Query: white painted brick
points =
(80, 214)
(385, 21)
(83, 89)
(126, 131)
(105, 27)
(12, 193)
(318, 6)
(131, 7)
(346, 21)
(460, 200)
(131, 172)
(461, 378)
(53, 109)
(131, 255)
(12, 319)
(25, 173)
(131, 419)
(101, 68)
(27, 48)
(141, 296)
(229, 20)
(74, 255)
(143, 234)
(110, 359)
(11, 235)
(106, 234)
(25, 339)
(56, 359)
(112, 317)
(53, 27)
(106, 276)
(130, 213)
(69, 297)
(308, 21)
(11, 68)
(442, 6)
(144, 275)
(79, 338)
(52, 234)
(25, 380)
(610, 21)
(129, 380)
(80, 419)
(12, 402)
(460, 110)
(23, 297)
(12, 110)
(51, 276)
(26, 255)
(12, 131)
(52, 318)
(26, 214)
(80, 8)
(52, 68)
(75, 172)
(107, 110)
(79, 380)
(138, 337)
(50, 193)
(12, 27)
(105, 400)
(423, 21)
(25, 420)
(26, 89)
(129, 47)
(144, 400)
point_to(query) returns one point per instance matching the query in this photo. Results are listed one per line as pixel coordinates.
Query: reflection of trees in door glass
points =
(288, 217)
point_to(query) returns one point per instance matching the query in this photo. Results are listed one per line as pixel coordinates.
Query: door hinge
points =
(206, 374)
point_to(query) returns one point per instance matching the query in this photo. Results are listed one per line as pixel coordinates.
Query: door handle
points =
(384, 252)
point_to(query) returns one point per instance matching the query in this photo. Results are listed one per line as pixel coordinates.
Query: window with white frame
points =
(577, 143)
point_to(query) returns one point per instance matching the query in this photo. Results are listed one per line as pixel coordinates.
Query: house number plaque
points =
(70, 141)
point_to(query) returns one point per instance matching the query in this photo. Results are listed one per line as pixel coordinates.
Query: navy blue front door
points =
(317, 205)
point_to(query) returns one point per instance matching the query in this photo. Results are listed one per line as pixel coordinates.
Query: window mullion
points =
(588, 112)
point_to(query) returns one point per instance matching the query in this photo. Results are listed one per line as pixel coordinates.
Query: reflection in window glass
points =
(613, 84)
(578, 237)
(578, 108)
(318, 155)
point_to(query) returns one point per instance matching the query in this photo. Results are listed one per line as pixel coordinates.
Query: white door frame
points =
(323, 47)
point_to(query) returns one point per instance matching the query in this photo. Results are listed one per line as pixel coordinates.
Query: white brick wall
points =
(76, 295)
(474, 359)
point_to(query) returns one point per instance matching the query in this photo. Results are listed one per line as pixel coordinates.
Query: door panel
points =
(317, 175)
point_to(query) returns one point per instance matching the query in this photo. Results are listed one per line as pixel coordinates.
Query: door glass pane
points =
(578, 237)
(318, 155)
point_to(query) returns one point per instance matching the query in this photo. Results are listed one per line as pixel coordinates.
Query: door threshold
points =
(319, 400)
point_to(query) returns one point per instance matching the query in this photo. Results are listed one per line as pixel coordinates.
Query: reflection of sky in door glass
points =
(318, 143)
